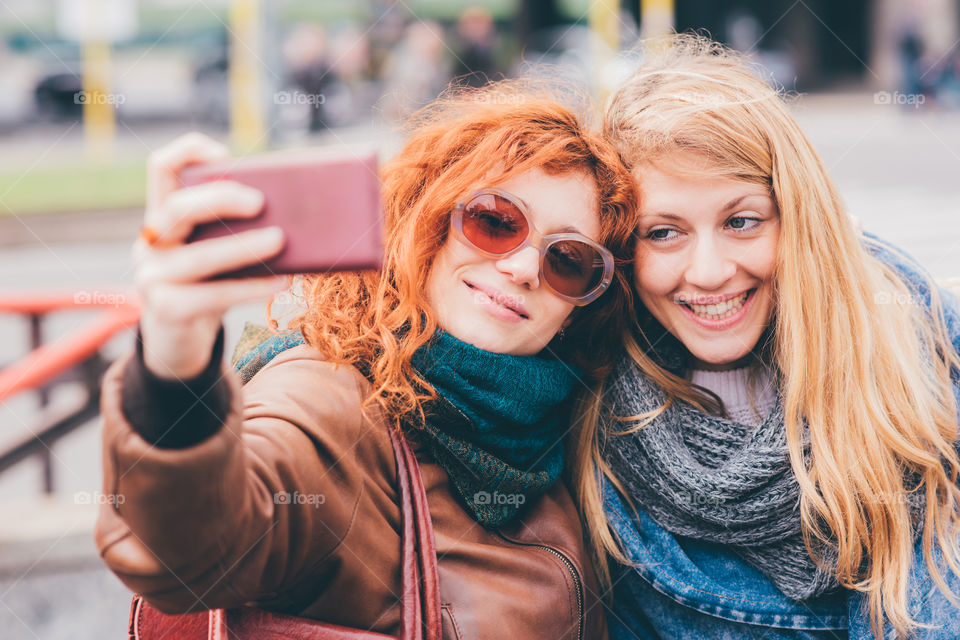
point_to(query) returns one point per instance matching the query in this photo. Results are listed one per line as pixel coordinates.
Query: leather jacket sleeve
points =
(175, 414)
(259, 505)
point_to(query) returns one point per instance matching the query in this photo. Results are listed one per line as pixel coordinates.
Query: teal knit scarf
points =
(496, 428)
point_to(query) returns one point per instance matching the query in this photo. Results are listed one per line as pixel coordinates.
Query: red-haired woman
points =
(505, 218)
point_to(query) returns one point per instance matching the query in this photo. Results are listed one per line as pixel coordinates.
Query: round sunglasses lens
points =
(494, 224)
(572, 268)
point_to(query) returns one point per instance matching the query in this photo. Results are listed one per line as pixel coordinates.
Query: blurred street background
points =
(89, 87)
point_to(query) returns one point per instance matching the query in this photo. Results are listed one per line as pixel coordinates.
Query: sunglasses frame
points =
(541, 243)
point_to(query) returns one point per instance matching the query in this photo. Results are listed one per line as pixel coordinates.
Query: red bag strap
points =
(420, 586)
(417, 536)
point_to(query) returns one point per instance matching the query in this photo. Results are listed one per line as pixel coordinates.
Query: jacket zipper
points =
(564, 560)
(577, 584)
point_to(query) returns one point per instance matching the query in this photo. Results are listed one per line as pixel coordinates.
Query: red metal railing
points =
(75, 356)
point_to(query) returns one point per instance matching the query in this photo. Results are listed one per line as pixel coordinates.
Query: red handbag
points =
(420, 600)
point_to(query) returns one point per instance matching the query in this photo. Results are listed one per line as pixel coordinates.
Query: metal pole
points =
(656, 18)
(99, 118)
(43, 395)
(604, 19)
(247, 112)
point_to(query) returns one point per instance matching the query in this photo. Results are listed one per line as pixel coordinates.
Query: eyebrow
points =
(664, 214)
(730, 205)
(528, 211)
(736, 201)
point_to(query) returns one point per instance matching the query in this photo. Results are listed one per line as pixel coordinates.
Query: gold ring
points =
(149, 235)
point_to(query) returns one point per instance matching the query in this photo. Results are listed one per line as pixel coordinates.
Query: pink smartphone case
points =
(327, 203)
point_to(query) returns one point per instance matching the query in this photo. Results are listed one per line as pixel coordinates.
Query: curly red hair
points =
(377, 320)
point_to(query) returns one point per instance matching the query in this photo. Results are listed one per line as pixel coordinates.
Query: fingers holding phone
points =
(182, 309)
(175, 217)
(221, 229)
(327, 200)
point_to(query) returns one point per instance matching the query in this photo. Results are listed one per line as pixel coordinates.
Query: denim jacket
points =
(688, 589)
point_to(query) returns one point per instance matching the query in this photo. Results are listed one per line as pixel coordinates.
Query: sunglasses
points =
(572, 266)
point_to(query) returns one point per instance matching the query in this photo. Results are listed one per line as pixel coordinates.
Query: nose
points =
(523, 267)
(709, 266)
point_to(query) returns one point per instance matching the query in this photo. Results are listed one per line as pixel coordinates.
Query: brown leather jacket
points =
(200, 527)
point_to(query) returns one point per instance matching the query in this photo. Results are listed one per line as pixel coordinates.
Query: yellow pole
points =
(604, 20)
(656, 18)
(99, 117)
(247, 117)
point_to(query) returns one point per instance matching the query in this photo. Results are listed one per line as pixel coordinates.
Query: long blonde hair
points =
(873, 415)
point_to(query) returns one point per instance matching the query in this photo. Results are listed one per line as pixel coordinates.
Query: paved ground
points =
(897, 170)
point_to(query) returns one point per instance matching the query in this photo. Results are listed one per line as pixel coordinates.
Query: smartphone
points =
(327, 201)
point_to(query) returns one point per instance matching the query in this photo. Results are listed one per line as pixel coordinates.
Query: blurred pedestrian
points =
(305, 53)
(417, 71)
(354, 91)
(475, 47)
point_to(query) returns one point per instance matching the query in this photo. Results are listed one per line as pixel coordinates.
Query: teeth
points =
(719, 311)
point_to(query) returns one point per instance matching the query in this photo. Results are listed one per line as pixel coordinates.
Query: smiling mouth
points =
(497, 300)
(720, 310)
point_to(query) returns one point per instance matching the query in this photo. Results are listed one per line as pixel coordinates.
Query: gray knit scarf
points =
(718, 481)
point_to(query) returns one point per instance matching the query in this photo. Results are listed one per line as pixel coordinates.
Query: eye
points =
(566, 260)
(495, 216)
(495, 222)
(743, 223)
(662, 234)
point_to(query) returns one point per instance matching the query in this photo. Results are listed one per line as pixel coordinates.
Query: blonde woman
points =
(777, 447)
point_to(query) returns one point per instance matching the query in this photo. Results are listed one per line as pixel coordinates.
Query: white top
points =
(733, 388)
